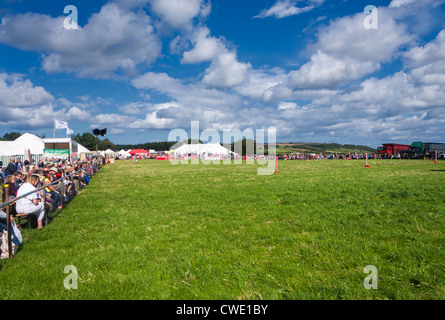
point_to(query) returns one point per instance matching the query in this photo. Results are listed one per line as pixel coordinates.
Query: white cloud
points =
(76, 113)
(324, 71)
(431, 52)
(226, 71)
(206, 48)
(113, 40)
(261, 84)
(399, 3)
(287, 106)
(160, 82)
(15, 91)
(345, 51)
(287, 8)
(347, 37)
(179, 14)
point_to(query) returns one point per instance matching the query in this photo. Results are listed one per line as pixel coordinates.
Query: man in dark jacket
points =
(11, 168)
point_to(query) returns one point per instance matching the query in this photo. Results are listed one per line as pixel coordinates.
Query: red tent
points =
(138, 151)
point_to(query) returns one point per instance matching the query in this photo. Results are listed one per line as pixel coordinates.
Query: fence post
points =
(44, 207)
(8, 222)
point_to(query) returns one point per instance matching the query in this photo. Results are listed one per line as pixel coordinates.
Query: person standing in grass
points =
(32, 203)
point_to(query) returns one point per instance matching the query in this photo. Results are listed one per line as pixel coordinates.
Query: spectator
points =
(32, 203)
(10, 180)
(16, 234)
(2, 174)
(11, 168)
(19, 179)
(25, 167)
(54, 194)
(54, 176)
(18, 164)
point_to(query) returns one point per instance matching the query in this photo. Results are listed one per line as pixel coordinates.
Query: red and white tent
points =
(138, 152)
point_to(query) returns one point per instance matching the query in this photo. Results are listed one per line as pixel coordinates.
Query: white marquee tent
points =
(124, 153)
(210, 149)
(18, 146)
(26, 144)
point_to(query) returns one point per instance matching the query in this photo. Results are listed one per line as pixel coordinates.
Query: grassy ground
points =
(159, 231)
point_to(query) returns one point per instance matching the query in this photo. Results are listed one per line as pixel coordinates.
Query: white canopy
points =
(124, 153)
(18, 146)
(200, 149)
(82, 149)
(30, 142)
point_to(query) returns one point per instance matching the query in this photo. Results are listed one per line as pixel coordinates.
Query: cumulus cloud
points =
(15, 91)
(26, 105)
(324, 71)
(113, 40)
(206, 48)
(179, 14)
(346, 51)
(226, 71)
(430, 52)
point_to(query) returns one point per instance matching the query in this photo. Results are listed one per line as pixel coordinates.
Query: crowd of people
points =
(331, 156)
(55, 185)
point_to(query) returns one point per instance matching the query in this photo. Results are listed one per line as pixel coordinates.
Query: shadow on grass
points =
(31, 224)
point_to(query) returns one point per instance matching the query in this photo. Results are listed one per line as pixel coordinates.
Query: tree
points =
(246, 145)
(11, 136)
(88, 140)
(106, 144)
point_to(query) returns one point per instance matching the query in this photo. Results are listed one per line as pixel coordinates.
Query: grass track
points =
(159, 231)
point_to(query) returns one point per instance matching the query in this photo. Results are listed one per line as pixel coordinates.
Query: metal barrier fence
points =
(4, 160)
(8, 202)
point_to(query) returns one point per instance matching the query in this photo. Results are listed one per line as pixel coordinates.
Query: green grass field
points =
(155, 231)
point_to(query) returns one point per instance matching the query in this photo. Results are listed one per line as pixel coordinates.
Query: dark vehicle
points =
(421, 150)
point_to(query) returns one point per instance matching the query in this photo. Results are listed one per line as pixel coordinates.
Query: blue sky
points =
(308, 68)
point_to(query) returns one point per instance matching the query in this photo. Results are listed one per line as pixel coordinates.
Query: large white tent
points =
(26, 144)
(203, 150)
(124, 153)
(18, 146)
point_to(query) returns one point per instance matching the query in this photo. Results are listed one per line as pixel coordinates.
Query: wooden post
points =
(8, 222)
(44, 208)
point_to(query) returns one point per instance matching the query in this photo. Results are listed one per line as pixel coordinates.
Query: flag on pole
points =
(60, 124)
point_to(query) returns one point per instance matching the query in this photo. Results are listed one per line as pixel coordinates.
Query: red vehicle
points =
(389, 150)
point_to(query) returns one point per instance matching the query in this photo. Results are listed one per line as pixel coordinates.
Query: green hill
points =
(325, 148)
